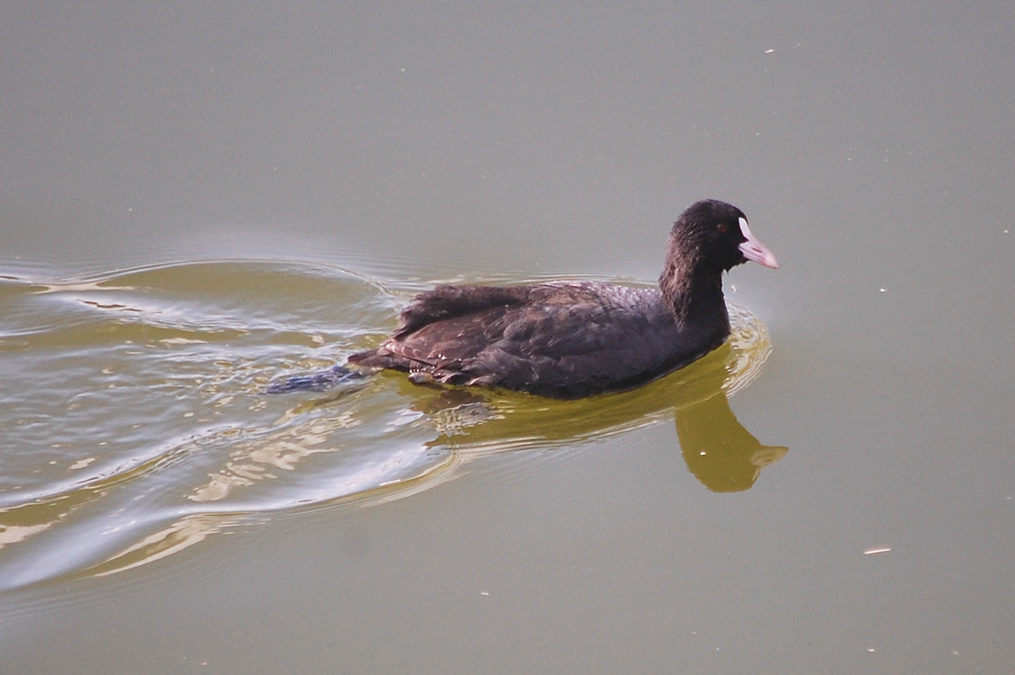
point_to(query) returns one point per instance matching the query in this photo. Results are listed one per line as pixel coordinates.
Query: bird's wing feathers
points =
(560, 342)
(447, 302)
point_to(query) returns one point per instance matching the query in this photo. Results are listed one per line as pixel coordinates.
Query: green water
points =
(195, 200)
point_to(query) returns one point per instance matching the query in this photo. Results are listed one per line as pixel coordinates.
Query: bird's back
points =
(558, 339)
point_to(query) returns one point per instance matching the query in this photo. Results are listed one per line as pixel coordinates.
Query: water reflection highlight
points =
(141, 429)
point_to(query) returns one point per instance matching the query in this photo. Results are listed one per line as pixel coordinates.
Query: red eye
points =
(722, 228)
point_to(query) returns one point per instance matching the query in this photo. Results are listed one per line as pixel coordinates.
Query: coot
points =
(574, 339)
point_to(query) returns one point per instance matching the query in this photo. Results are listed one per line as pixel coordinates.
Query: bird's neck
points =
(694, 299)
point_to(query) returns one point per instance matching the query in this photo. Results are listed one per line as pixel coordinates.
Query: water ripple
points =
(140, 428)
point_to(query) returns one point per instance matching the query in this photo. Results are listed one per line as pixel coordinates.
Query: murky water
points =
(195, 200)
(144, 428)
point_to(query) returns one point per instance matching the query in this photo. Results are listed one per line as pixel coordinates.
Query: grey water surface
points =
(196, 199)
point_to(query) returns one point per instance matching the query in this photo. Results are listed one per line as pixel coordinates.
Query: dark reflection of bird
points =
(716, 448)
(723, 455)
(574, 339)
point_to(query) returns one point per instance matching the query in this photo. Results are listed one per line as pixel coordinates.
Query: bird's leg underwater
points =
(321, 381)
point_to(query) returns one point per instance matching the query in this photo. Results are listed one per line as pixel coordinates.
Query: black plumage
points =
(573, 339)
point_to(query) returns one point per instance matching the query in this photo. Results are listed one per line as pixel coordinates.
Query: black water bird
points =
(574, 339)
